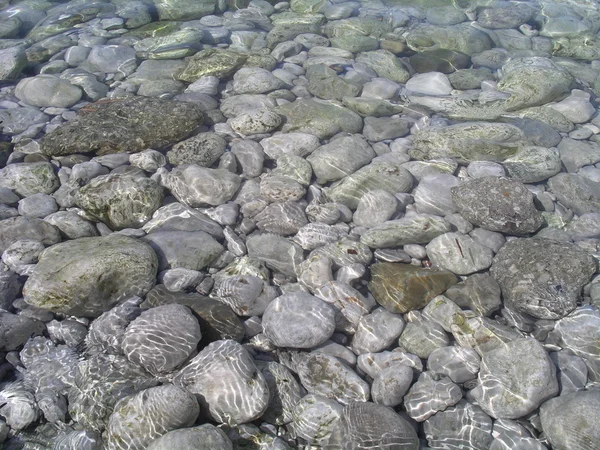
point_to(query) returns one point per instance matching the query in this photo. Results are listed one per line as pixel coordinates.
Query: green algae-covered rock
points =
(176, 45)
(212, 62)
(325, 83)
(88, 276)
(385, 64)
(184, 9)
(400, 288)
(461, 38)
(128, 125)
(467, 142)
(28, 179)
(120, 201)
(321, 118)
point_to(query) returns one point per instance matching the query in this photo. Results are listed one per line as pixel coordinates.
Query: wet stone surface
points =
(299, 225)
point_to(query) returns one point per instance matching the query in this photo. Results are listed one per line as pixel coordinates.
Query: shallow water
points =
(383, 217)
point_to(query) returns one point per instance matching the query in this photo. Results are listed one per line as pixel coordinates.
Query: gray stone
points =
(228, 384)
(21, 253)
(250, 156)
(421, 169)
(566, 420)
(110, 58)
(178, 9)
(461, 37)
(422, 336)
(411, 229)
(576, 154)
(498, 205)
(161, 338)
(515, 379)
(460, 364)
(384, 128)
(340, 158)
(576, 107)
(148, 160)
(375, 208)
(294, 167)
(465, 424)
(86, 276)
(193, 250)
(12, 62)
(433, 194)
(203, 150)
(319, 117)
(276, 252)
(27, 179)
(314, 418)
(236, 105)
(480, 169)
(385, 64)
(390, 177)
(578, 193)
(178, 217)
(431, 83)
(17, 120)
(128, 125)
(326, 84)
(534, 282)
(478, 292)
(256, 122)
(17, 329)
(47, 90)
(508, 433)
(464, 79)
(505, 16)
(459, 253)
(120, 201)
(202, 437)
(391, 384)
(198, 186)
(285, 392)
(430, 394)
(147, 415)
(37, 205)
(326, 375)
(18, 228)
(377, 331)
(466, 142)
(586, 226)
(298, 320)
(297, 144)
(377, 425)
(440, 60)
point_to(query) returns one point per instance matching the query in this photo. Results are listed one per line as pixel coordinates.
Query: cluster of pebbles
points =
(367, 224)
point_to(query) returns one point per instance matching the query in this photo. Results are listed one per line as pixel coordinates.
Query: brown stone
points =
(400, 288)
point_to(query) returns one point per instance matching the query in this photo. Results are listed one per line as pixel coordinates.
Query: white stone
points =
(431, 83)
(47, 90)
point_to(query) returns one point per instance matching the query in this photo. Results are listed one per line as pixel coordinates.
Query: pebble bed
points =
(314, 224)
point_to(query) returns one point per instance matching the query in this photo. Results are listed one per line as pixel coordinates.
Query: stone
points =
(203, 150)
(433, 194)
(285, 392)
(129, 125)
(120, 201)
(534, 282)
(518, 377)
(375, 208)
(148, 160)
(377, 331)
(467, 142)
(379, 425)
(47, 90)
(430, 83)
(256, 122)
(566, 420)
(228, 384)
(86, 276)
(161, 338)
(314, 418)
(391, 384)
(385, 64)
(340, 158)
(12, 61)
(576, 107)
(465, 424)
(202, 437)
(390, 177)
(460, 364)
(18, 228)
(430, 394)
(478, 292)
(584, 227)
(297, 144)
(147, 415)
(319, 118)
(17, 329)
(298, 320)
(197, 186)
(459, 254)
(533, 164)
(211, 62)
(464, 79)
(400, 288)
(578, 193)
(326, 375)
(422, 336)
(505, 16)
(461, 37)
(276, 252)
(178, 217)
(324, 83)
(110, 58)
(178, 10)
(440, 60)
(575, 154)
(27, 179)
(37, 205)
(384, 128)
(497, 204)
(192, 250)
(411, 229)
